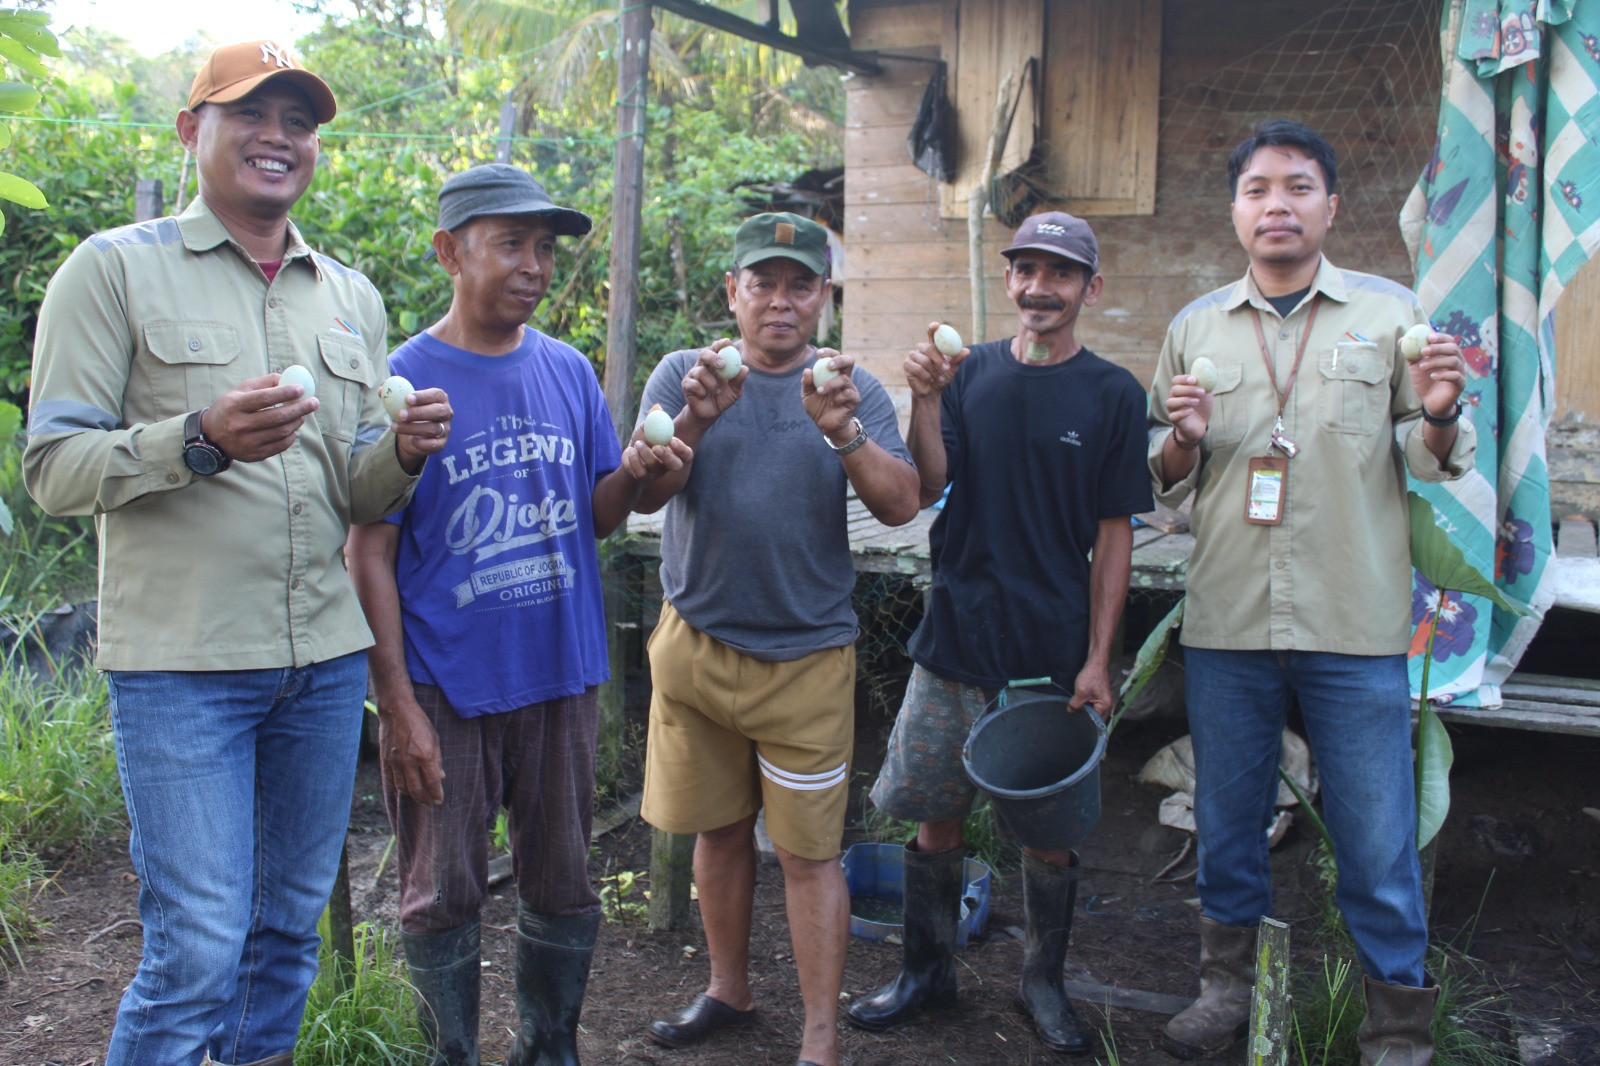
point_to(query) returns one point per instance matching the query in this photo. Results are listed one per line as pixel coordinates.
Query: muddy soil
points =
(1518, 889)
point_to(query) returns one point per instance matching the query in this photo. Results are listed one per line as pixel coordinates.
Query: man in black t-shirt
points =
(1042, 443)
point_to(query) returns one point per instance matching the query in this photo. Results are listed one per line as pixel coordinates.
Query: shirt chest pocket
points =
(343, 379)
(191, 365)
(1353, 396)
(1230, 416)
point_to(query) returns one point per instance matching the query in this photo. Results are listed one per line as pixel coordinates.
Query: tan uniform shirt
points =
(242, 570)
(1336, 574)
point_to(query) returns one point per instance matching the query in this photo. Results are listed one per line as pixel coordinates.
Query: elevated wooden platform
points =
(1159, 556)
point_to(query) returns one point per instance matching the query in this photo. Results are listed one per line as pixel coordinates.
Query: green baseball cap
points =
(781, 234)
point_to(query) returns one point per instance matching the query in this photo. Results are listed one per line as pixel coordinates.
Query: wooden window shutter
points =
(1101, 89)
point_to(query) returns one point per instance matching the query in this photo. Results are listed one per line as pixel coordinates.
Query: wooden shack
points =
(1141, 102)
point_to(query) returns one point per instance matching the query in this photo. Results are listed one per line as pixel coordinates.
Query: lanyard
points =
(1266, 354)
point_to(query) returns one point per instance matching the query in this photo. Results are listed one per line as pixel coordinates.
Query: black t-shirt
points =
(1038, 455)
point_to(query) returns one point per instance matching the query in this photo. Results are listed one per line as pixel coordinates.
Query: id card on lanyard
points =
(1267, 480)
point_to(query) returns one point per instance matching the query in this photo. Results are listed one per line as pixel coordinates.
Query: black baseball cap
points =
(1058, 233)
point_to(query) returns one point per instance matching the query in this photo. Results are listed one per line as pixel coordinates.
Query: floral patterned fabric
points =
(1501, 219)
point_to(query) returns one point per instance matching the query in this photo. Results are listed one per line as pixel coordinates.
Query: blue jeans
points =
(238, 786)
(1357, 714)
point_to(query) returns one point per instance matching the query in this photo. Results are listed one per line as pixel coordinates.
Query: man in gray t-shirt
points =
(753, 661)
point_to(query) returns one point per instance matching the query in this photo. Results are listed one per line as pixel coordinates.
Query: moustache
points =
(1034, 303)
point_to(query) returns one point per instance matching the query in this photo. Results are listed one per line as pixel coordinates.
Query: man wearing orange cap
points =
(229, 630)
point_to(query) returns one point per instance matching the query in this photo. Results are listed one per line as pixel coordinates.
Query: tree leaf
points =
(17, 97)
(19, 54)
(35, 38)
(1434, 757)
(21, 191)
(1152, 653)
(1437, 558)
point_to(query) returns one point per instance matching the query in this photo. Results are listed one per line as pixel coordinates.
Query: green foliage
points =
(21, 878)
(367, 1020)
(619, 901)
(414, 108)
(57, 761)
(25, 38)
(979, 830)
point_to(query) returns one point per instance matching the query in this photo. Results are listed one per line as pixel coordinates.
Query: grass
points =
(57, 762)
(21, 876)
(979, 829)
(1328, 1004)
(58, 786)
(372, 1021)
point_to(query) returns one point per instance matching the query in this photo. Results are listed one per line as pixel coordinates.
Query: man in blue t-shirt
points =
(1042, 443)
(484, 597)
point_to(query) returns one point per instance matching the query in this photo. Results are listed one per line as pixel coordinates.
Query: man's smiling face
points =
(255, 156)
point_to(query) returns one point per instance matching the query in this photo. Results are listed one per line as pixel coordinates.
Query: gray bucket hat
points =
(502, 189)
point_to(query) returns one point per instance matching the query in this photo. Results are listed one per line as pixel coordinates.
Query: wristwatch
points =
(1448, 420)
(846, 449)
(199, 454)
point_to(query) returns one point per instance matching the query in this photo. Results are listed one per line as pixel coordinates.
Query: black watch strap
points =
(199, 454)
(1448, 420)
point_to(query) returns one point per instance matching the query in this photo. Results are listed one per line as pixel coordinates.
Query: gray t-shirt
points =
(755, 550)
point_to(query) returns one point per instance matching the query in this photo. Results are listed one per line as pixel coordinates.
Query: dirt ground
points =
(1518, 888)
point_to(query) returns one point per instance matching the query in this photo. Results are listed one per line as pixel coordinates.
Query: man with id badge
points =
(1284, 404)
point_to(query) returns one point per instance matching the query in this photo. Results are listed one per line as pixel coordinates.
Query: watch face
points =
(201, 459)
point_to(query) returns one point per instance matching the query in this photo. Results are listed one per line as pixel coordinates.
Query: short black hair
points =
(1283, 133)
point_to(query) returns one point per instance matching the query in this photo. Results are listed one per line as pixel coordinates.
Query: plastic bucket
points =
(876, 876)
(1040, 765)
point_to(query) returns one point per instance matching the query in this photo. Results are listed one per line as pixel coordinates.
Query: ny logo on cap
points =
(1052, 229)
(271, 51)
(783, 233)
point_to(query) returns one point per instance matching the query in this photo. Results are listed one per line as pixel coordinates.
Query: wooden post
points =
(147, 201)
(627, 212)
(671, 873)
(1271, 1016)
(977, 203)
(508, 124)
(341, 926)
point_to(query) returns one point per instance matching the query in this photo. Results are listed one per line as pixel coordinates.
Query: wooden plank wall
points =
(1577, 350)
(908, 266)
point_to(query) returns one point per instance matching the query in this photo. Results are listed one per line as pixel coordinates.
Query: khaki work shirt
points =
(1335, 576)
(244, 569)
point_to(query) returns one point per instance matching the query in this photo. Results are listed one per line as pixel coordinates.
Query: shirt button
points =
(1284, 335)
(194, 344)
(295, 584)
(172, 479)
(355, 364)
(1280, 564)
(298, 508)
(272, 302)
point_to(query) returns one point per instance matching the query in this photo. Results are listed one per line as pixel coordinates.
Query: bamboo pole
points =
(1271, 1014)
(977, 203)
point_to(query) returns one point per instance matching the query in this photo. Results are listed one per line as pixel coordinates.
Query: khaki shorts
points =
(730, 734)
(922, 778)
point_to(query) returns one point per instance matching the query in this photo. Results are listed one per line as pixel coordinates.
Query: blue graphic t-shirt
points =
(497, 566)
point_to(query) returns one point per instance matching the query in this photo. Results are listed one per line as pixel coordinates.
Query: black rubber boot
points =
(445, 972)
(553, 957)
(1049, 896)
(927, 975)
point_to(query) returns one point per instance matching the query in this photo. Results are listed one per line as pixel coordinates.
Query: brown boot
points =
(1398, 1028)
(1222, 1012)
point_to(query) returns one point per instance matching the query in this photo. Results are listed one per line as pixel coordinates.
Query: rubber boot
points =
(445, 972)
(1221, 1013)
(927, 976)
(1398, 1028)
(553, 957)
(1049, 897)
